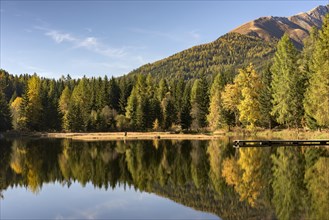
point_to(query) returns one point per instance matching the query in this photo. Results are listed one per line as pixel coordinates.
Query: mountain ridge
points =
(296, 26)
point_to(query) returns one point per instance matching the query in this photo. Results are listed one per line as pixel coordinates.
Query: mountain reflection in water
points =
(210, 176)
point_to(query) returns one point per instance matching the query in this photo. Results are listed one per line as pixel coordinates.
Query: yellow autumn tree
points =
(16, 113)
(249, 107)
(231, 97)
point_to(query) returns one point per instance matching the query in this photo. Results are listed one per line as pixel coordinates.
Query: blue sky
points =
(97, 38)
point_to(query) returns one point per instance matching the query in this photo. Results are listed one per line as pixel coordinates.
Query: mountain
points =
(253, 42)
(225, 54)
(296, 26)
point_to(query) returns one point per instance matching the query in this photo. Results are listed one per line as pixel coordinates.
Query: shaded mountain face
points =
(297, 26)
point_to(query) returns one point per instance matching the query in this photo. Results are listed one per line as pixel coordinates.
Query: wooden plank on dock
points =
(269, 143)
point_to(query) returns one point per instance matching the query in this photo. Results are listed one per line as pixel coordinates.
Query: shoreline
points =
(220, 134)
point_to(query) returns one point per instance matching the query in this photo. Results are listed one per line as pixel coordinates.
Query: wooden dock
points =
(278, 143)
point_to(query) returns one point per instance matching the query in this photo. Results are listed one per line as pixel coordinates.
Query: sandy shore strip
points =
(130, 136)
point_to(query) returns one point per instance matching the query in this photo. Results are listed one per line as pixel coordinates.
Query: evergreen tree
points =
(162, 89)
(131, 109)
(265, 99)
(168, 108)
(200, 102)
(216, 117)
(114, 94)
(287, 85)
(5, 119)
(317, 95)
(125, 90)
(50, 114)
(185, 114)
(81, 103)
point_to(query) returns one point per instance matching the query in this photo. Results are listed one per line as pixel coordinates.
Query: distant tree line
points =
(293, 92)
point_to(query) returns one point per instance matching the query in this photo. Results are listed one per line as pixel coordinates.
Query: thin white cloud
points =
(92, 44)
(60, 37)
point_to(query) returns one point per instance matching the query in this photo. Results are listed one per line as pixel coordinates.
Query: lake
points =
(161, 179)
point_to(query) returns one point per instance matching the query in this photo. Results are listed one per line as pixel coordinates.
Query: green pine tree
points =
(317, 95)
(287, 85)
(5, 118)
(216, 112)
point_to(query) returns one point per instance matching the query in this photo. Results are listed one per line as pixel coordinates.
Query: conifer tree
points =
(34, 106)
(125, 89)
(287, 85)
(16, 113)
(216, 117)
(249, 106)
(131, 109)
(185, 115)
(200, 102)
(317, 96)
(5, 119)
(81, 104)
(265, 99)
(63, 105)
(114, 94)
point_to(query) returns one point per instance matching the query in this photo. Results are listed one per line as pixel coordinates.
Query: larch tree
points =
(249, 107)
(231, 97)
(16, 113)
(34, 103)
(63, 105)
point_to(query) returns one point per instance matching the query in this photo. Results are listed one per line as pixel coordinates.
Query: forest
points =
(250, 86)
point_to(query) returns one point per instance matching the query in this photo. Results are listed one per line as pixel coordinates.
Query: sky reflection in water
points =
(56, 201)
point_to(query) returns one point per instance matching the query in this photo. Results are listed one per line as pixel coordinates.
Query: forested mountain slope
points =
(227, 53)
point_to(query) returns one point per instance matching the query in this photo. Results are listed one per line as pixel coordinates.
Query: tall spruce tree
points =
(287, 85)
(200, 102)
(80, 103)
(265, 99)
(5, 119)
(185, 114)
(114, 94)
(317, 95)
(216, 112)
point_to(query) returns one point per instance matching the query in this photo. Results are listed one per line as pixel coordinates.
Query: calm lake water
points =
(161, 179)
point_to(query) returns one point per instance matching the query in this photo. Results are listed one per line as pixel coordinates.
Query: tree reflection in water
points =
(211, 176)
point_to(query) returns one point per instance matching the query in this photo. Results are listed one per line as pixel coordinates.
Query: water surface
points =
(161, 179)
